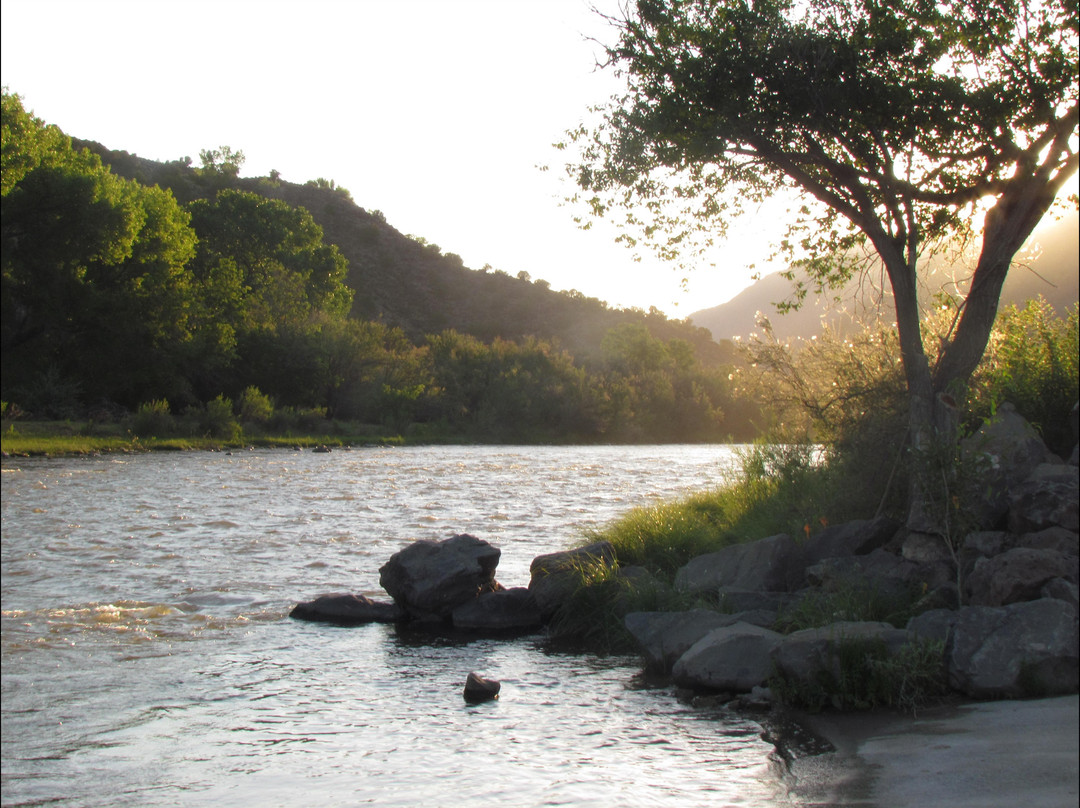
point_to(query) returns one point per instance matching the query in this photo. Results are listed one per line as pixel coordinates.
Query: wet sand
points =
(978, 755)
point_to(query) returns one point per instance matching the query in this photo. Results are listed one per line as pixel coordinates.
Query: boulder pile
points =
(451, 584)
(1001, 601)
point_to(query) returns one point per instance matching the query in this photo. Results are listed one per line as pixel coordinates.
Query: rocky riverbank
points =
(997, 606)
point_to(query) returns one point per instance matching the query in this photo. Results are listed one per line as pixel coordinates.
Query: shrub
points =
(153, 419)
(255, 406)
(1031, 362)
(216, 420)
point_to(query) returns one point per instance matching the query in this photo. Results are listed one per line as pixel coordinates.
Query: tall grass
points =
(781, 488)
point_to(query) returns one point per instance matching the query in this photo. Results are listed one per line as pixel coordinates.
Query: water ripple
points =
(146, 642)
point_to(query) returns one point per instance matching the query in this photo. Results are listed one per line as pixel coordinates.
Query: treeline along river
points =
(149, 660)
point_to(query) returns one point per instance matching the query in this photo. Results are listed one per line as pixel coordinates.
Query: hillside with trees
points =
(192, 299)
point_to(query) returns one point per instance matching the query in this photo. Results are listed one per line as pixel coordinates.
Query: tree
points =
(95, 286)
(896, 125)
(286, 272)
(224, 161)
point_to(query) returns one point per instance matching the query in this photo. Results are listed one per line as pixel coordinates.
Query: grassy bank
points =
(64, 438)
(796, 489)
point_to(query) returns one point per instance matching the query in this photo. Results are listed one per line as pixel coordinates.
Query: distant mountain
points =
(407, 283)
(1052, 273)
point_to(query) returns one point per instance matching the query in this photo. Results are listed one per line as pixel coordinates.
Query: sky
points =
(438, 114)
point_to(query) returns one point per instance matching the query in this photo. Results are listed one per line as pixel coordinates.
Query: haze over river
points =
(149, 660)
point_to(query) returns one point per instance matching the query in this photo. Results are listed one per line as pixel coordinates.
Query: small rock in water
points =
(478, 689)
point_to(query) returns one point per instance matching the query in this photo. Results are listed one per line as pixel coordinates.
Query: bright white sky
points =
(436, 112)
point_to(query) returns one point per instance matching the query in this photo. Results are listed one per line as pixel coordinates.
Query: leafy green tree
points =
(27, 143)
(895, 124)
(507, 390)
(265, 262)
(224, 161)
(95, 285)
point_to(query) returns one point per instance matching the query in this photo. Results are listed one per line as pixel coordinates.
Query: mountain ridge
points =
(1053, 273)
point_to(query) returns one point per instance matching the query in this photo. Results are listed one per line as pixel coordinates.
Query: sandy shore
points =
(983, 755)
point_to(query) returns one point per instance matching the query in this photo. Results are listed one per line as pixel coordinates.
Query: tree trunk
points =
(937, 395)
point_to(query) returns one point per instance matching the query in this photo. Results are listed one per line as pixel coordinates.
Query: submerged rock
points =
(347, 610)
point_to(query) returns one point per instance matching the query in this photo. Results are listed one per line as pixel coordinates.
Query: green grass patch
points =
(779, 489)
(64, 438)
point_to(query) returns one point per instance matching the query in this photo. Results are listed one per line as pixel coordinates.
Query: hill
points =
(405, 282)
(1052, 272)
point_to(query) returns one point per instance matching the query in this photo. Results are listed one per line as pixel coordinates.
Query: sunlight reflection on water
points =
(148, 658)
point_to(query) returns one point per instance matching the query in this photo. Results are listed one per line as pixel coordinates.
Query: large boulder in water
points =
(429, 579)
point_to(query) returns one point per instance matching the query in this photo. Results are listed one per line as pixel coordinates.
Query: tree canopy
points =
(118, 298)
(896, 124)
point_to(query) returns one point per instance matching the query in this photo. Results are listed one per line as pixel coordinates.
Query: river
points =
(149, 660)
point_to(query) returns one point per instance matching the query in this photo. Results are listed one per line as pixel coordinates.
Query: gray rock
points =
(1060, 589)
(852, 538)
(885, 571)
(1009, 449)
(505, 610)
(663, 637)
(774, 564)
(736, 601)
(983, 544)
(734, 658)
(478, 689)
(553, 577)
(802, 655)
(946, 596)
(1053, 538)
(1049, 497)
(1018, 575)
(935, 625)
(923, 548)
(429, 579)
(347, 610)
(1018, 650)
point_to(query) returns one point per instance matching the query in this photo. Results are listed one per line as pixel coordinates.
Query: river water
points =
(149, 660)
